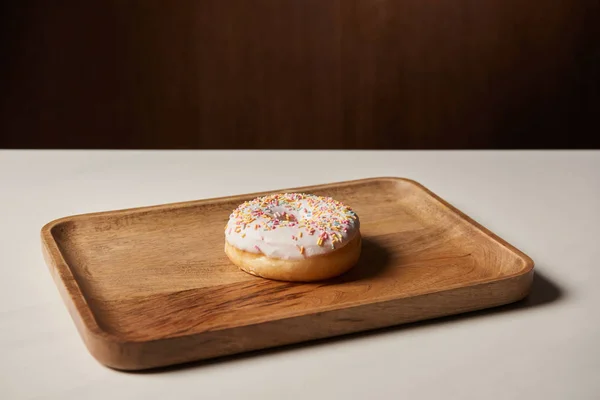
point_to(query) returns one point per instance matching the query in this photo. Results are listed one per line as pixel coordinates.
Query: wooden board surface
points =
(151, 287)
(300, 74)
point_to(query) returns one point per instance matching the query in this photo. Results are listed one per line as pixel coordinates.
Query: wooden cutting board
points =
(151, 287)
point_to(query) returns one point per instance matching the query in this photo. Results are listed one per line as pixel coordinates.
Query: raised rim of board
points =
(87, 317)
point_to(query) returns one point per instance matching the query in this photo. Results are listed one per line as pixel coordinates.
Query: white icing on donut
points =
(291, 225)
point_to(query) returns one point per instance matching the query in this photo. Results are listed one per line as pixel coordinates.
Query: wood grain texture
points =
(152, 286)
(275, 74)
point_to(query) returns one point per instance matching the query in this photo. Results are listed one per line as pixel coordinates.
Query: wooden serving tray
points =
(151, 286)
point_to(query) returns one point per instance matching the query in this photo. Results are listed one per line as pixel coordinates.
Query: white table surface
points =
(545, 203)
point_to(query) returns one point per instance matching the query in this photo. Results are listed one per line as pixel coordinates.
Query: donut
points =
(293, 237)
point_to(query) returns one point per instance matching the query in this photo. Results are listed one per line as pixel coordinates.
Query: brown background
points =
(300, 74)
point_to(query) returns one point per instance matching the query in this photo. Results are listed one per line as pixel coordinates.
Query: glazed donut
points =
(293, 237)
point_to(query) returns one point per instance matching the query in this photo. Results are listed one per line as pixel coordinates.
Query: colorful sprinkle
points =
(324, 217)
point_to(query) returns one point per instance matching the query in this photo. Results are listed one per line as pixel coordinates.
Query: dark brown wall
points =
(300, 74)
